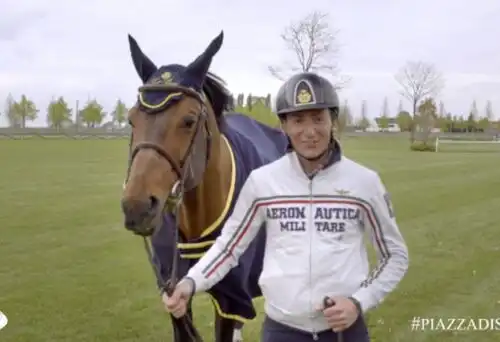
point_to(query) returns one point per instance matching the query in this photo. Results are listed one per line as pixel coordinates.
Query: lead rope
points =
(327, 303)
(168, 286)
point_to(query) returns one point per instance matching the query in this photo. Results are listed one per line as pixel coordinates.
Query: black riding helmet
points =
(305, 91)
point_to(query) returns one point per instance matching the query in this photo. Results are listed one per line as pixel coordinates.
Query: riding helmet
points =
(305, 91)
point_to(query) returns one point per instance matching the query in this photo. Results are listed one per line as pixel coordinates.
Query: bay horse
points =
(188, 160)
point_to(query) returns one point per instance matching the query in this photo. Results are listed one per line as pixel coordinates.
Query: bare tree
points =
(418, 81)
(313, 44)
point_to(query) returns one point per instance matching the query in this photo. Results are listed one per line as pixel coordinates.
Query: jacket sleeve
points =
(236, 235)
(392, 252)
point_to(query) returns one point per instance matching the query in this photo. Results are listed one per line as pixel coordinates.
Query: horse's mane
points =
(219, 96)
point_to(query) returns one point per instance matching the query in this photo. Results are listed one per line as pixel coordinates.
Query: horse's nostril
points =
(153, 203)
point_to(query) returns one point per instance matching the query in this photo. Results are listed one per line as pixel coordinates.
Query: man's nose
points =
(310, 131)
(138, 210)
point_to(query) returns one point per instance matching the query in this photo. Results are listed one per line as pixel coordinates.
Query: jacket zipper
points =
(311, 234)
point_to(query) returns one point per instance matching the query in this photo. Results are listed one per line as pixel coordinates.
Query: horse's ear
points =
(199, 67)
(143, 65)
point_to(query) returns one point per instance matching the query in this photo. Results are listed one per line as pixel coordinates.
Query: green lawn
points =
(69, 271)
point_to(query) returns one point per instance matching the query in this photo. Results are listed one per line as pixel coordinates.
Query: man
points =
(316, 204)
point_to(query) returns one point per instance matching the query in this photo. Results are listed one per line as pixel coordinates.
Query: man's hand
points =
(178, 302)
(342, 314)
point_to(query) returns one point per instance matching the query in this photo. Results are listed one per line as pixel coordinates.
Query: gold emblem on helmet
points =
(304, 96)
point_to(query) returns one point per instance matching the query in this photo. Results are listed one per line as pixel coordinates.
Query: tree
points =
(249, 102)
(488, 112)
(232, 101)
(92, 114)
(58, 113)
(446, 123)
(473, 117)
(363, 109)
(25, 110)
(348, 114)
(344, 119)
(426, 118)
(313, 44)
(418, 80)
(240, 100)
(442, 111)
(363, 122)
(400, 106)
(385, 111)
(10, 113)
(473, 110)
(119, 114)
(459, 123)
(385, 108)
(383, 119)
(383, 122)
(268, 101)
(483, 124)
(442, 120)
(404, 121)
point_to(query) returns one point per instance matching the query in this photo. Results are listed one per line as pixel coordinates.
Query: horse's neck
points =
(203, 205)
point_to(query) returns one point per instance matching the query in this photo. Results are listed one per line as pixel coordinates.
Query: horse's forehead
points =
(176, 74)
(173, 73)
(154, 101)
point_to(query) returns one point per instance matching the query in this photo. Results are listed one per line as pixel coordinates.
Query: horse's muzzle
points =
(140, 214)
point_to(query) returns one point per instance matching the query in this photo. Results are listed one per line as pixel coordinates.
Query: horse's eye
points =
(188, 122)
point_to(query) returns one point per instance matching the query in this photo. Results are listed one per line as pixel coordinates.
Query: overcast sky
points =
(79, 49)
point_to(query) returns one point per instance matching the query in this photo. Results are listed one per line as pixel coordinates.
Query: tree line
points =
(60, 115)
(428, 115)
(474, 121)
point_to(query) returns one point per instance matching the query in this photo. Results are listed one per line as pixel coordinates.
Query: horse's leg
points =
(224, 329)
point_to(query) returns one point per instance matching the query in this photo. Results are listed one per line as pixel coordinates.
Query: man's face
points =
(309, 131)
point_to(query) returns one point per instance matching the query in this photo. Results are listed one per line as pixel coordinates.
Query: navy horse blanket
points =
(253, 145)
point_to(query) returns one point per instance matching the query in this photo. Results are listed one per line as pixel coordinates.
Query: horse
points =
(189, 156)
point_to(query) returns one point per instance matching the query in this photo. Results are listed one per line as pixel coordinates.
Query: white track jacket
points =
(315, 244)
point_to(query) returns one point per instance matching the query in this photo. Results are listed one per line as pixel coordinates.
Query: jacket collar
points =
(335, 155)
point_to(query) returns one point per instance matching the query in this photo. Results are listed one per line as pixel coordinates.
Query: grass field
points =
(70, 272)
